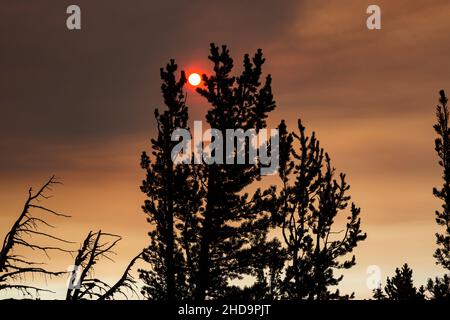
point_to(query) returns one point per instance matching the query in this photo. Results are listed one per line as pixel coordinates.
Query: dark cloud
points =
(104, 79)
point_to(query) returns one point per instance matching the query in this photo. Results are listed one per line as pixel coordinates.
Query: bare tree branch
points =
(125, 281)
(91, 250)
(15, 267)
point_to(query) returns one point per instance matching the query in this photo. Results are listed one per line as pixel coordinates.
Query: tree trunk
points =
(204, 261)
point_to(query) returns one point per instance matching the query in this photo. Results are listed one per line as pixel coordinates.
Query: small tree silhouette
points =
(401, 287)
(439, 289)
(378, 294)
(14, 266)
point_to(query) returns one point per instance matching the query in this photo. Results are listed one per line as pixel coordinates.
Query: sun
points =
(194, 79)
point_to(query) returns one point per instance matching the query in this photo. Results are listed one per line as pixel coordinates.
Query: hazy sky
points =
(79, 104)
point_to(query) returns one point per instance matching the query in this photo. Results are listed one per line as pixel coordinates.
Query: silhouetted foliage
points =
(442, 147)
(202, 220)
(231, 218)
(13, 266)
(309, 207)
(267, 260)
(173, 198)
(401, 286)
(204, 226)
(378, 294)
(208, 232)
(439, 289)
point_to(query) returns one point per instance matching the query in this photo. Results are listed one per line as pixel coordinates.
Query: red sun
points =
(194, 79)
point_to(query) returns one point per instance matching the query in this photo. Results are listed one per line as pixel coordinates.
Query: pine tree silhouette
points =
(309, 207)
(172, 200)
(378, 294)
(439, 289)
(231, 218)
(208, 231)
(401, 287)
(442, 147)
(205, 227)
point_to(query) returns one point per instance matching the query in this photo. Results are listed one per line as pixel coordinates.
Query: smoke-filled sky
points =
(79, 104)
